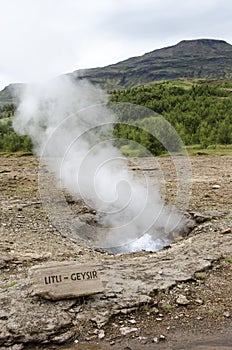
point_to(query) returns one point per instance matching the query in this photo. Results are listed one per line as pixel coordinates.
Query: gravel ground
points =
(186, 313)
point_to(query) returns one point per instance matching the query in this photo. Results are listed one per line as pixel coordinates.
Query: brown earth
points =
(158, 316)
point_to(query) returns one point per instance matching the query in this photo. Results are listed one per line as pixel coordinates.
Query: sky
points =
(41, 39)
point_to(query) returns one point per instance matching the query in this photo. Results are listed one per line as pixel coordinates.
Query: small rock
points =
(155, 310)
(199, 217)
(17, 347)
(199, 301)
(101, 334)
(143, 340)
(132, 321)
(159, 319)
(156, 340)
(182, 300)
(199, 318)
(162, 337)
(112, 342)
(215, 187)
(62, 337)
(227, 314)
(127, 330)
(226, 231)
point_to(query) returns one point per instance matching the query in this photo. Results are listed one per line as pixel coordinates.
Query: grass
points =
(167, 307)
(200, 276)
(193, 150)
(8, 285)
(212, 150)
(229, 259)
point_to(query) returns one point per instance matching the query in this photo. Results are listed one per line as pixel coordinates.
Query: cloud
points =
(45, 38)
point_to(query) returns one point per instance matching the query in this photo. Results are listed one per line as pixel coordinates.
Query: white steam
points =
(70, 127)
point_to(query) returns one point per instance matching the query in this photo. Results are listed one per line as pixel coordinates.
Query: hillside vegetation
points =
(192, 59)
(9, 140)
(200, 112)
(202, 58)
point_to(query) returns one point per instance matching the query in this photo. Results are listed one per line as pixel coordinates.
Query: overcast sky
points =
(40, 39)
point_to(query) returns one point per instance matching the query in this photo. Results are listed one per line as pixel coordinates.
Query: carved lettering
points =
(52, 279)
(78, 276)
(64, 280)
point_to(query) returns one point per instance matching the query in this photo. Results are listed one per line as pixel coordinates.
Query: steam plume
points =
(70, 127)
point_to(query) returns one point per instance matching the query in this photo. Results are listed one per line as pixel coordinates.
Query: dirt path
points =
(143, 300)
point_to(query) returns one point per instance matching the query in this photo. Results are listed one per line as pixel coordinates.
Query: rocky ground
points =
(177, 298)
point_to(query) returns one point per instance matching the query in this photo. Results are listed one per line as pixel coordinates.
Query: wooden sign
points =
(65, 280)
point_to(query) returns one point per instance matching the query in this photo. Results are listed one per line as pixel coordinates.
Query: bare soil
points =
(205, 322)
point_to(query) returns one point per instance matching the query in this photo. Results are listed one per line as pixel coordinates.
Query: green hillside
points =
(200, 112)
(194, 59)
(190, 84)
(203, 58)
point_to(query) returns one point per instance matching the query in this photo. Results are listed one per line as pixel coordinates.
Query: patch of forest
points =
(9, 140)
(199, 111)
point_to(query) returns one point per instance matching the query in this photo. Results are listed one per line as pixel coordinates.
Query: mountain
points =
(201, 58)
(9, 93)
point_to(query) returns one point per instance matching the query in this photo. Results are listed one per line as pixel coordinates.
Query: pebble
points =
(161, 337)
(155, 310)
(215, 187)
(199, 301)
(132, 321)
(101, 334)
(156, 340)
(227, 314)
(199, 318)
(143, 340)
(182, 300)
(127, 330)
(226, 231)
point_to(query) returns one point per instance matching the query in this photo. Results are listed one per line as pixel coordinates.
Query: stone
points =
(216, 187)
(101, 334)
(199, 301)
(127, 330)
(226, 231)
(199, 318)
(132, 321)
(182, 300)
(61, 280)
(199, 217)
(162, 337)
(227, 314)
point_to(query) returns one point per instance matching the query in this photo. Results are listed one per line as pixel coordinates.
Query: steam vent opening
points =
(169, 224)
(94, 234)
